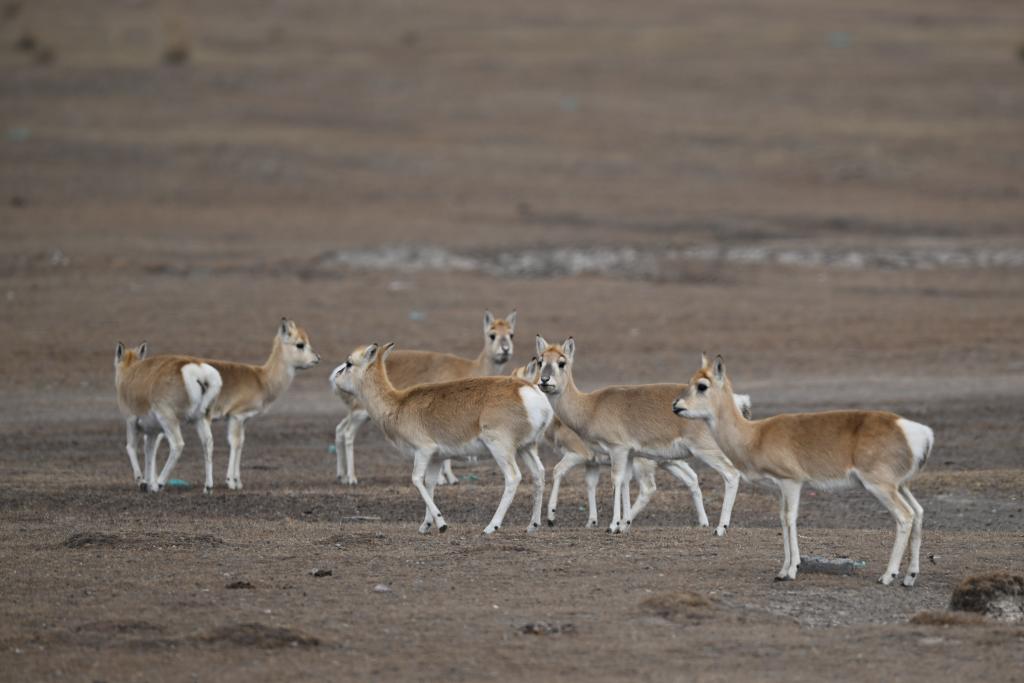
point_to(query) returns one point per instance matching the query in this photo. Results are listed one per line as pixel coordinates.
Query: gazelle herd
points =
(436, 407)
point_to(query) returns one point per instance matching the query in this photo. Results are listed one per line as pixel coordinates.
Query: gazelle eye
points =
(492, 337)
(300, 345)
(561, 363)
(701, 388)
(511, 335)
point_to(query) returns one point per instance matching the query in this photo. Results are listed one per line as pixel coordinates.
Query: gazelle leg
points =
(236, 439)
(422, 460)
(731, 477)
(592, 475)
(172, 429)
(569, 460)
(536, 469)
(131, 445)
(783, 519)
(447, 474)
(432, 473)
(620, 467)
(684, 473)
(903, 513)
(150, 446)
(504, 454)
(340, 452)
(643, 473)
(915, 537)
(791, 493)
(206, 439)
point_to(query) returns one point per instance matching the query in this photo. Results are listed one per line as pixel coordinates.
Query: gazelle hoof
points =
(551, 522)
(207, 490)
(442, 528)
(720, 531)
(143, 486)
(887, 579)
(347, 481)
(909, 579)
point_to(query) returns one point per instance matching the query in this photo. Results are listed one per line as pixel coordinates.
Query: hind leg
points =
(536, 469)
(684, 473)
(643, 473)
(569, 460)
(504, 455)
(915, 537)
(206, 439)
(447, 475)
(236, 439)
(903, 513)
(131, 445)
(592, 476)
(433, 471)
(151, 445)
(172, 429)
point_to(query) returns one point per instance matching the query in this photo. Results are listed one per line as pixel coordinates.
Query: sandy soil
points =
(831, 197)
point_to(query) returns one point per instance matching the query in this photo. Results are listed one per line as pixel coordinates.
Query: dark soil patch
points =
(258, 636)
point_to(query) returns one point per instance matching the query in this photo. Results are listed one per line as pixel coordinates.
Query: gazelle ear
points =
(388, 348)
(119, 352)
(511, 320)
(370, 352)
(569, 348)
(283, 329)
(531, 367)
(542, 345)
(719, 369)
(488, 321)
(703, 360)
(142, 350)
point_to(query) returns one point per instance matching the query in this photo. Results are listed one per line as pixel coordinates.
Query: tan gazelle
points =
(154, 396)
(503, 416)
(408, 368)
(881, 451)
(575, 452)
(632, 419)
(250, 389)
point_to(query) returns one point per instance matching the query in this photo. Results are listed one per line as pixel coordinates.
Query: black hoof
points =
(143, 487)
(551, 522)
(536, 526)
(443, 528)
(629, 522)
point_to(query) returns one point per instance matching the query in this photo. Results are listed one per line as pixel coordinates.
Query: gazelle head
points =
(124, 357)
(498, 335)
(555, 364)
(529, 372)
(349, 375)
(708, 391)
(298, 352)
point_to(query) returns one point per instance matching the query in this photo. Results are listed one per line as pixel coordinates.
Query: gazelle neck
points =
(377, 392)
(570, 405)
(485, 365)
(277, 373)
(733, 432)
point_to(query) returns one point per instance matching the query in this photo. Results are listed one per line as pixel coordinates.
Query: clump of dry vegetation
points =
(998, 595)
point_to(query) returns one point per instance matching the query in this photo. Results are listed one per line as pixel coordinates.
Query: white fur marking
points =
(742, 402)
(919, 438)
(202, 384)
(538, 409)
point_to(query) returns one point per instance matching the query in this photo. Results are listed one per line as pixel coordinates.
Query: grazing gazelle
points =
(622, 420)
(504, 416)
(575, 452)
(154, 395)
(408, 368)
(881, 451)
(250, 389)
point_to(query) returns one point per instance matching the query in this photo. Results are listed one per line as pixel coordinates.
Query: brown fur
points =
(155, 382)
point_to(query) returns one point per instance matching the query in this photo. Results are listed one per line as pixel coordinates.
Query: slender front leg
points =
(915, 539)
(684, 473)
(150, 447)
(569, 460)
(593, 474)
(343, 476)
(620, 462)
(206, 439)
(731, 477)
(355, 420)
(505, 456)
(536, 469)
(789, 491)
(643, 474)
(131, 445)
(783, 574)
(236, 438)
(421, 463)
(432, 474)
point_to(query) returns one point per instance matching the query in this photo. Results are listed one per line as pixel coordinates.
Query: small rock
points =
(382, 588)
(828, 565)
(542, 628)
(239, 585)
(321, 572)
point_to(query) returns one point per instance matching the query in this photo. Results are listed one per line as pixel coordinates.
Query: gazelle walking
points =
(622, 420)
(504, 416)
(251, 389)
(881, 451)
(408, 368)
(154, 395)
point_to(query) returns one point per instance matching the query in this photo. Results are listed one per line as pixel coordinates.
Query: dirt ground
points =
(831, 196)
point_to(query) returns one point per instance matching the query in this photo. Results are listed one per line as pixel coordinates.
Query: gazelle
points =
(154, 395)
(575, 452)
(408, 368)
(881, 451)
(250, 389)
(504, 416)
(622, 420)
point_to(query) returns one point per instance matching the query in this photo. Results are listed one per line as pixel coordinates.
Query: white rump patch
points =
(538, 409)
(202, 384)
(919, 438)
(742, 402)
